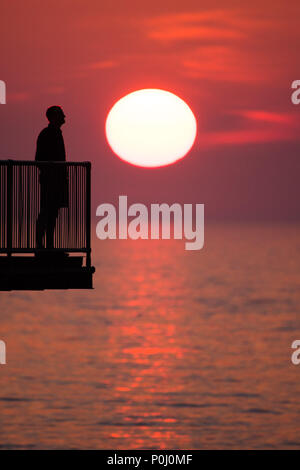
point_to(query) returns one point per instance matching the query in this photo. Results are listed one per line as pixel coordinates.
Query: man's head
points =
(55, 116)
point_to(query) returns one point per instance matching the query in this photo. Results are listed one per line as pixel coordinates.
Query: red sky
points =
(232, 61)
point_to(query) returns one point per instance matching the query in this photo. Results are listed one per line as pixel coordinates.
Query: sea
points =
(172, 349)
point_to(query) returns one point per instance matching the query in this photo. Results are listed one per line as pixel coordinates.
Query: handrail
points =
(26, 186)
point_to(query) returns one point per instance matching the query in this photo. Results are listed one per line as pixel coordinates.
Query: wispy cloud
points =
(248, 136)
(18, 96)
(283, 118)
(223, 44)
(218, 62)
(210, 24)
(184, 32)
(103, 64)
(259, 126)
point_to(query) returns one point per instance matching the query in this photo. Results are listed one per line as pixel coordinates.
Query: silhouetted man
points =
(53, 178)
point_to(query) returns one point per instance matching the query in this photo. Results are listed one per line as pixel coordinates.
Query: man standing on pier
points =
(53, 178)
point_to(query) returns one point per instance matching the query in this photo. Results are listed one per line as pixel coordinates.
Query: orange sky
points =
(232, 61)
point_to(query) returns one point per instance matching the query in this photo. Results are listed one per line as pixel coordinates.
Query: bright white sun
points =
(151, 128)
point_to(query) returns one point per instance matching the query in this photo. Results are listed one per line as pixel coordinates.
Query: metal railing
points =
(20, 205)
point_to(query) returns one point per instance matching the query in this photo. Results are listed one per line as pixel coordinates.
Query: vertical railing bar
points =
(88, 214)
(9, 189)
(28, 206)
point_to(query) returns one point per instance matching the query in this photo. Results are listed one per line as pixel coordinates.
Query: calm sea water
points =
(172, 349)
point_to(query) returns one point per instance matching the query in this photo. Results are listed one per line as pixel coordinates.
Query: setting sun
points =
(151, 128)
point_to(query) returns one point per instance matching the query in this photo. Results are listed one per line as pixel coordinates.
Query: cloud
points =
(189, 32)
(103, 64)
(270, 117)
(18, 96)
(218, 62)
(238, 45)
(242, 137)
(259, 126)
(209, 25)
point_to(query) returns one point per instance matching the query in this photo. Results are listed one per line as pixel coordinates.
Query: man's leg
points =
(41, 228)
(51, 222)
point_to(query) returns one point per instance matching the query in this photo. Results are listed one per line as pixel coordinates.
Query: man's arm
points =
(42, 147)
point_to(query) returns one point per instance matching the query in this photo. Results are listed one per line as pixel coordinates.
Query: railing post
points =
(9, 207)
(88, 214)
